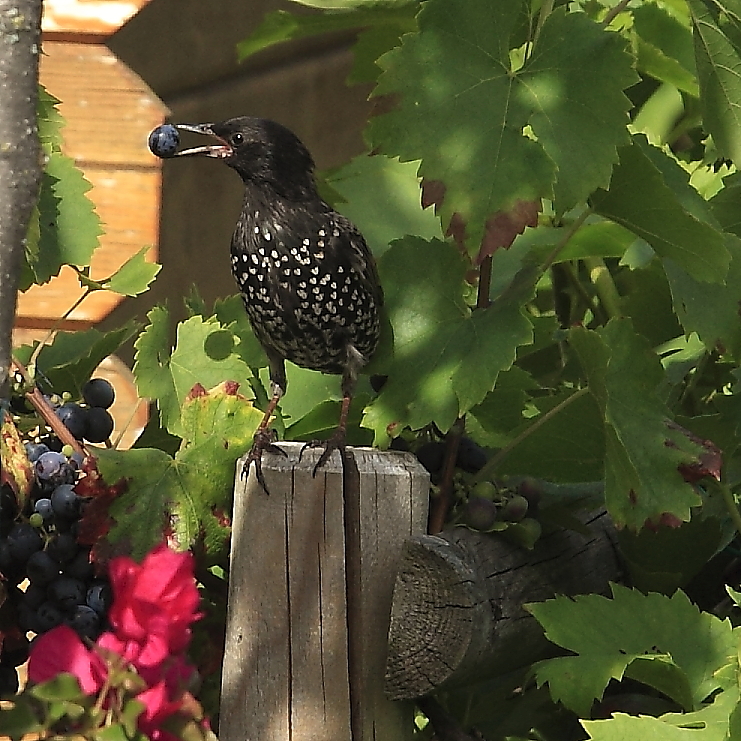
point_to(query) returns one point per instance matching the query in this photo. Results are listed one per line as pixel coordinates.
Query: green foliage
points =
(190, 492)
(641, 477)
(64, 227)
(642, 636)
(205, 352)
(607, 315)
(66, 363)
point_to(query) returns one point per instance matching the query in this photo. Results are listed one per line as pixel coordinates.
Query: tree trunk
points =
(458, 615)
(20, 164)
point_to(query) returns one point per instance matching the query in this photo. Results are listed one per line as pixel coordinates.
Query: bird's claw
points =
(264, 442)
(336, 442)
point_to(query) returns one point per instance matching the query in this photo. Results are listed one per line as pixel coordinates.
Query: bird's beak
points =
(220, 150)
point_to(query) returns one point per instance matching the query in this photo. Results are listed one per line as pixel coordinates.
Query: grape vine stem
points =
(441, 503)
(499, 456)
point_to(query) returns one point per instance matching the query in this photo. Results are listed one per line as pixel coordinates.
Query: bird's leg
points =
(265, 436)
(337, 441)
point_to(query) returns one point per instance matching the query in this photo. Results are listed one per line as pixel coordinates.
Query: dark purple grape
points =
(164, 140)
(515, 509)
(9, 683)
(99, 425)
(65, 502)
(532, 489)
(44, 508)
(49, 464)
(15, 651)
(74, 418)
(471, 457)
(23, 541)
(399, 443)
(28, 618)
(431, 456)
(34, 450)
(479, 514)
(41, 568)
(80, 567)
(99, 597)
(62, 548)
(48, 616)
(34, 596)
(53, 443)
(98, 392)
(67, 592)
(85, 621)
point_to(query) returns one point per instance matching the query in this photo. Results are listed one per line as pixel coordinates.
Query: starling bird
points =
(307, 278)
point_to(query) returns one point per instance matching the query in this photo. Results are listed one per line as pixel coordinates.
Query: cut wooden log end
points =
(457, 614)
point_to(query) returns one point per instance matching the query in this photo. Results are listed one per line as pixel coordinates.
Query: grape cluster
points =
(471, 457)
(488, 505)
(49, 577)
(92, 422)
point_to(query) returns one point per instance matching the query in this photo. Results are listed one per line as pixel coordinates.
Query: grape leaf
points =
(66, 363)
(151, 365)
(579, 109)
(189, 494)
(708, 309)
(134, 276)
(446, 358)
(726, 204)
(64, 227)
(609, 635)
(77, 226)
(717, 32)
(387, 22)
(230, 312)
(665, 47)
(204, 353)
(348, 4)
(570, 446)
(717, 721)
(50, 120)
(663, 213)
(464, 107)
(641, 477)
(382, 198)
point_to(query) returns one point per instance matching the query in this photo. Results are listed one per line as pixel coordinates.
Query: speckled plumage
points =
(307, 278)
(309, 284)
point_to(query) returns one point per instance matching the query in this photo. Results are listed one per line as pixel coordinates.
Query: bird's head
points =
(264, 153)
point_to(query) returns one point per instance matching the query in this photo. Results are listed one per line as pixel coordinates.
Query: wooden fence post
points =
(311, 580)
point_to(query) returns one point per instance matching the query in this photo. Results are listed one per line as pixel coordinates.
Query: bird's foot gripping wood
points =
(264, 440)
(336, 442)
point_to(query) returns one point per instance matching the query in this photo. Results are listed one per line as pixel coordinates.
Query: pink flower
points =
(61, 651)
(154, 603)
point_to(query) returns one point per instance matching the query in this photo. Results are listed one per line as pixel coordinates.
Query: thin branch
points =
(442, 502)
(42, 406)
(614, 12)
(482, 297)
(573, 229)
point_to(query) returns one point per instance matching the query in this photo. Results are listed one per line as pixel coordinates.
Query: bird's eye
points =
(237, 139)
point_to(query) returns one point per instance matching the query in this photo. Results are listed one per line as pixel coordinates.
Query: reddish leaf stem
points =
(442, 503)
(42, 406)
